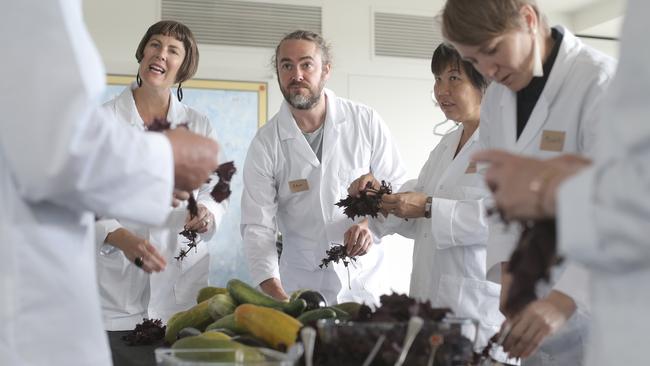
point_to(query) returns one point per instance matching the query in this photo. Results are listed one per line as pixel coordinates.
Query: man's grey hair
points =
(310, 36)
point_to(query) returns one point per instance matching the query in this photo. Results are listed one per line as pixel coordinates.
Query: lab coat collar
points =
(566, 57)
(451, 144)
(452, 139)
(126, 107)
(287, 126)
(288, 130)
(176, 113)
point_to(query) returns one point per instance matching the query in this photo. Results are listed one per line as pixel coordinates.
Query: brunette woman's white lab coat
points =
(450, 247)
(60, 164)
(129, 294)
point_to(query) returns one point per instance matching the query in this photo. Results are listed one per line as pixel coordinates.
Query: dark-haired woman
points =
(444, 207)
(127, 252)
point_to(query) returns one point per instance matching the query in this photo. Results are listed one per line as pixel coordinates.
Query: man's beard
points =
(302, 101)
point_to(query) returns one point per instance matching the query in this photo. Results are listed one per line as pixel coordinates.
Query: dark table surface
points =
(125, 355)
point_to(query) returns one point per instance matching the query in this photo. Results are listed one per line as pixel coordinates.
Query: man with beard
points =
(298, 166)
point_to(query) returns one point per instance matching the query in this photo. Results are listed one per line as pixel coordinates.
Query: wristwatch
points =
(427, 208)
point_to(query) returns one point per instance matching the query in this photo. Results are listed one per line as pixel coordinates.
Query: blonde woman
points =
(544, 102)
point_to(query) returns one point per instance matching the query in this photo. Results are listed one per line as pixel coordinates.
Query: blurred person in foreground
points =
(61, 163)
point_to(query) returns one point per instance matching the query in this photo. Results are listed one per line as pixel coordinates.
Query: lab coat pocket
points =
(472, 298)
(191, 280)
(302, 256)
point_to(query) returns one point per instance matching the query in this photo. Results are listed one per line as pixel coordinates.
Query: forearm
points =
(562, 302)
(119, 238)
(273, 287)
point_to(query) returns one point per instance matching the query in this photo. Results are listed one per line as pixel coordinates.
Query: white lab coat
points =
(128, 294)
(603, 213)
(570, 104)
(58, 164)
(355, 141)
(450, 247)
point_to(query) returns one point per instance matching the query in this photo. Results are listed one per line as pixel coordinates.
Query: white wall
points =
(398, 88)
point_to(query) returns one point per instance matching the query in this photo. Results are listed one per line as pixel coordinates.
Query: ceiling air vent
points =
(241, 23)
(401, 35)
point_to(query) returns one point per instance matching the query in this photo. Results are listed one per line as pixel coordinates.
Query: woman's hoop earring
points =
(179, 92)
(138, 79)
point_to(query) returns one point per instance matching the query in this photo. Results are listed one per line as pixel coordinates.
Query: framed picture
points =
(236, 110)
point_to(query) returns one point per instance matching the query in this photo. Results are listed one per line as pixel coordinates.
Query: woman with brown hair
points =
(544, 101)
(128, 253)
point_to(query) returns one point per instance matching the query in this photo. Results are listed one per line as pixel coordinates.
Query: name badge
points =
(299, 185)
(471, 168)
(552, 141)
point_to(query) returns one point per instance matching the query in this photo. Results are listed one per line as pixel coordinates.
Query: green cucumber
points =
(228, 322)
(352, 308)
(244, 293)
(340, 314)
(316, 314)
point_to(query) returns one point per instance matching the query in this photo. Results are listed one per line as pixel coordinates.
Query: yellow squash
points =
(269, 325)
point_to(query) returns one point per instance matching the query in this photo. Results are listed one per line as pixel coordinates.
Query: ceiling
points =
(589, 17)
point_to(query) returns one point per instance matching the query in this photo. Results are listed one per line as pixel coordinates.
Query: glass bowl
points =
(452, 341)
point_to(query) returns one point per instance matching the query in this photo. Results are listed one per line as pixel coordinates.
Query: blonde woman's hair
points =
(474, 22)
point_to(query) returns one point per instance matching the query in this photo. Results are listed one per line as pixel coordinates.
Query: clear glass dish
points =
(211, 357)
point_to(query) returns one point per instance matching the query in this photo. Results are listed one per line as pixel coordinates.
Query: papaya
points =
(209, 291)
(187, 332)
(195, 317)
(230, 351)
(221, 305)
(244, 293)
(272, 326)
(228, 322)
(215, 335)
